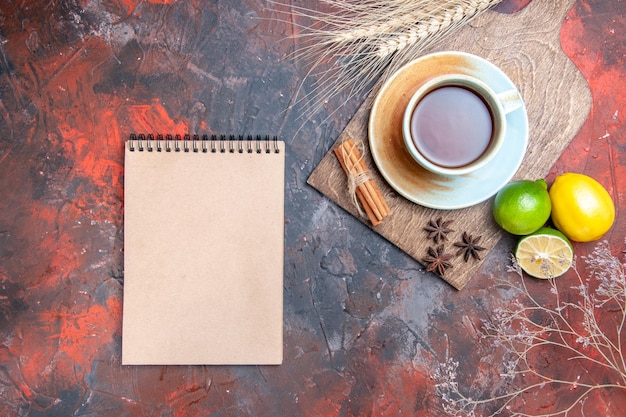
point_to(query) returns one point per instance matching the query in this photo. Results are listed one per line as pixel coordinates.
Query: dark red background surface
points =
(364, 324)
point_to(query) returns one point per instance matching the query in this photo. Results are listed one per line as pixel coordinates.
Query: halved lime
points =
(547, 253)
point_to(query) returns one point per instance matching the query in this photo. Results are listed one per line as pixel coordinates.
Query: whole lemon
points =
(581, 207)
(522, 207)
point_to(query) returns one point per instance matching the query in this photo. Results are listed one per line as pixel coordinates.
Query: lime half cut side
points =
(547, 253)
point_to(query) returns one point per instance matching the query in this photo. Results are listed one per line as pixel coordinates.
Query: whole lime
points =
(522, 207)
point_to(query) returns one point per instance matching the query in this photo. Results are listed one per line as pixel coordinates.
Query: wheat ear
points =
(356, 42)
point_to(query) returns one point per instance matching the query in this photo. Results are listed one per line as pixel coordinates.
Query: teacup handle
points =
(511, 100)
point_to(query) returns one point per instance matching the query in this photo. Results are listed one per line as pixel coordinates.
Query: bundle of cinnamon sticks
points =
(366, 189)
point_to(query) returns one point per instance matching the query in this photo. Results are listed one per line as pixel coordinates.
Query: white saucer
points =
(405, 175)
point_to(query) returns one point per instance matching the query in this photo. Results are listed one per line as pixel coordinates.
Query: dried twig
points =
(586, 332)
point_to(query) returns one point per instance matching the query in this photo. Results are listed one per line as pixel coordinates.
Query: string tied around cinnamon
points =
(363, 190)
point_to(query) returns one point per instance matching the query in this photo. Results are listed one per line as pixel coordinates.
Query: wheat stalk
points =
(350, 46)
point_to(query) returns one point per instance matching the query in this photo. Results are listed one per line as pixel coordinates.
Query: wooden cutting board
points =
(526, 47)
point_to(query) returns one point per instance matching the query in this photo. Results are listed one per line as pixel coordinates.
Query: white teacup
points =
(455, 124)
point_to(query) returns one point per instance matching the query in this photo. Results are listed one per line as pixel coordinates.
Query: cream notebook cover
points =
(203, 251)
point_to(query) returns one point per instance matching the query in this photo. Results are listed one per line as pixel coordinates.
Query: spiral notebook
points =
(203, 250)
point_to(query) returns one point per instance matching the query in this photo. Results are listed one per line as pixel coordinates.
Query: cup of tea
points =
(455, 124)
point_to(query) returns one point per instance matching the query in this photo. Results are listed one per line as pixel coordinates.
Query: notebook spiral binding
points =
(204, 143)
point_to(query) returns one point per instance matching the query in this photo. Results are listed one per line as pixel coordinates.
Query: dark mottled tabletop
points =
(367, 331)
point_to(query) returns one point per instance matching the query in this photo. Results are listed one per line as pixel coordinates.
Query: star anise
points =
(469, 247)
(437, 260)
(438, 229)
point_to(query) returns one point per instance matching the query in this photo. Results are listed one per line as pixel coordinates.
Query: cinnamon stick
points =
(359, 193)
(354, 168)
(367, 192)
(358, 163)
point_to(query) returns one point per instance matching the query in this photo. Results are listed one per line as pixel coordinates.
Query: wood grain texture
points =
(526, 46)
